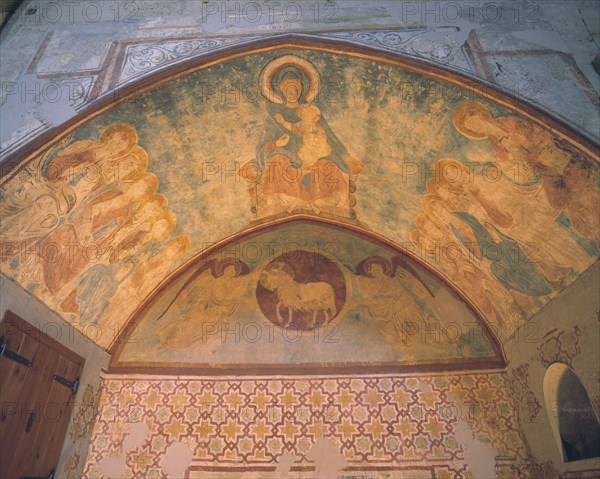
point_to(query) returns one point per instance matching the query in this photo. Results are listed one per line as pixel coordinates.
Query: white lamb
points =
(294, 296)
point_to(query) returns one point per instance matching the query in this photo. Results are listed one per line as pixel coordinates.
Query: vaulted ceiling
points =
(416, 201)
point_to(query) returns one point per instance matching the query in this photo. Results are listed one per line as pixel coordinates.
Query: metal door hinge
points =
(49, 476)
(8, 354)
(30, 422)
(72, 385)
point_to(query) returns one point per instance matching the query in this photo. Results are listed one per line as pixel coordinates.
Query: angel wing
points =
(410, 280)
(406, 323)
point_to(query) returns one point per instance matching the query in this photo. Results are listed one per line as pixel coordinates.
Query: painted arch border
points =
(13, 162)
(499, 361)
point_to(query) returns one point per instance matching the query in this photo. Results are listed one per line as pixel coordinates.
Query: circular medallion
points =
(301, 290)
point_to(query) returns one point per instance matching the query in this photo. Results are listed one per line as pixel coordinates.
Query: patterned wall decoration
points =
(435, 44)
(142, 57)
(372, 427)
(559, 346)
(595, 396)
(529, 406)
(80, 431)
(83, 419)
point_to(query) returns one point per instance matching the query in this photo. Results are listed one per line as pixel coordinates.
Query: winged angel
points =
(396, 298)
(204, 305)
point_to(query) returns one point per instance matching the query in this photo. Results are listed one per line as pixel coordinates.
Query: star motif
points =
(346, 429)
(231, 430)
(176, 429)
(260, 429)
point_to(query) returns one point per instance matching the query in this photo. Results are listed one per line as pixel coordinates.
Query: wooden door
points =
(38, 377)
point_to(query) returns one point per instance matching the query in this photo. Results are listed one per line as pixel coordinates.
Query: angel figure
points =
(209, 297)
(388, 288)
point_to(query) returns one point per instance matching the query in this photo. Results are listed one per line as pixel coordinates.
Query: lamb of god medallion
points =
(301, 290)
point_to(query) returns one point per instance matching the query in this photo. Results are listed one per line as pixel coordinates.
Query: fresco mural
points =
(501, 206)
(300, 163)
(305, 293)
(301, 289)
(81, 220)
(209, 298)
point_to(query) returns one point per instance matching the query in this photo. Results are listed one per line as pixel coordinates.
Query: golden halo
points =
(124, 128)
(266, 77)
(451, 181)
(466, 109)
(134, 164)
(429, 198)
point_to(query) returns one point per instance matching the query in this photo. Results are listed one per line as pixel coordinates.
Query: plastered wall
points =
(567, 331)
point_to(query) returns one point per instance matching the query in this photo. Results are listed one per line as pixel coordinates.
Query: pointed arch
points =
(574, 422)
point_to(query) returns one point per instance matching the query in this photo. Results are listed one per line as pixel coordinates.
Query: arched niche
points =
(574, 422)
(220, 314)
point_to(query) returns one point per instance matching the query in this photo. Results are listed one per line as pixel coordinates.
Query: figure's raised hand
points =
(282, 140)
